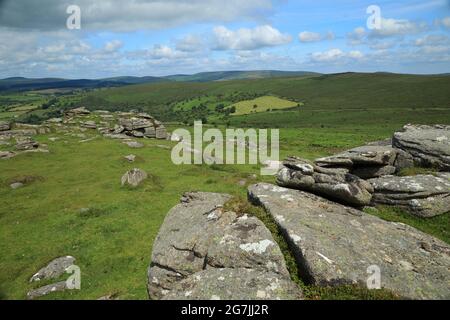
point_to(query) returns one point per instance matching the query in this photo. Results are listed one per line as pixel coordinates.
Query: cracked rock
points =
(333, 183)
(334, 244)
(200, 247)
(421, 195)
(429, 145)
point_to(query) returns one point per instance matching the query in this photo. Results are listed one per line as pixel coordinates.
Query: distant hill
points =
(25, 84)
(237, 75)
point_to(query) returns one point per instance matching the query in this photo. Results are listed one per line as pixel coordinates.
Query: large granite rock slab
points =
(429, 145)
(205, 252)
(369, 161)
(134, 177)
(421, 195)
(336, 184)
(334, 244)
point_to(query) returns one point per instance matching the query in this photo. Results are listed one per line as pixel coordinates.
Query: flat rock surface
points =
(45, 290)
(334, 244)
(199, 240)
(422, 195)
(429, 145)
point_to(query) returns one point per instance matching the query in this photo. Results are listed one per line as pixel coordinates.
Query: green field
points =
(262, 104)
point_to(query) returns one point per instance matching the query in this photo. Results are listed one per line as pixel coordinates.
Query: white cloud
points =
(395, 27)
(249, 39)
(336, 55)
(162, 52)
(113, 45)
(431, 40)
(190, 43)
(308, 36)
(445, 22)
(357, 36)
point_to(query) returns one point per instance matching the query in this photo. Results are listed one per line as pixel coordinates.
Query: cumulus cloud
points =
(128, 15)
(190, 43)
(113, 45)
(249, 39)
(395, 27)
(445, 22)
(308, 36)
(335, 55)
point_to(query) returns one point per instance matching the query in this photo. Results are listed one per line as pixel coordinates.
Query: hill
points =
(349, 91)
(238, 75)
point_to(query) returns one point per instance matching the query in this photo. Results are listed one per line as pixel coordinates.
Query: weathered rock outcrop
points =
(82, 111)
(429, 145)
(334, 244)
(4, 126)
(369, 161)
(336, 184)
(204, 252)
(421, 195)
(134, 177)
(26, 144)
(141, 125)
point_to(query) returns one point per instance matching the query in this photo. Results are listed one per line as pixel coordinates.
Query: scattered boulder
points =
(130, 158)
(369, 161)
(429, 145)
(54, 269)
(334, 244)
(134, 177)
(336, 184)
(421, 195)
(45, 290)
(4, 126)
(142, 125)
(134, 144)
(26, 144)
(205, 252)
(6, 154)
(16, 185)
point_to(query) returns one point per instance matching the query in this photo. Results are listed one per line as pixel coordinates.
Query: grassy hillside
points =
(350, 91)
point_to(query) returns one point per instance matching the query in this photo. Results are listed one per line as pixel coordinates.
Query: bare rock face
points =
(134, 177)
(24, 144)
(82, 111)
(421, 195)
(54, 269)
(4, 126)
(45, 290)
(143, 125)
(336, 184)
(429, 145)
(334, 244)
(204, 252)
(7, 154)
(89, 124)
(369, 161)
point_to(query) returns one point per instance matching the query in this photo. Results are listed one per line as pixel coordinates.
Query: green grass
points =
(262, 104)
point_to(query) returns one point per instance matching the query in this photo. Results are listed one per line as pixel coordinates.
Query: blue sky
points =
(153, 37)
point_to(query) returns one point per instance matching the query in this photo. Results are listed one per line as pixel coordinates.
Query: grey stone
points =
(429, 145)
(370, 161)
(4, 126)
(335, 184)
(118, 129)
(421, 195)
(134, 177)
(334, 244)
(26, 144)
(135, 123)
(134, 144)
(161, 132)
(200, 246)
(77, 112)
(137, 134)
(130, 158)
(150, 132)
(6, 154)
(54, 269)
(45, 290)
(89, 124)
(16, 185)
(116, 136)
